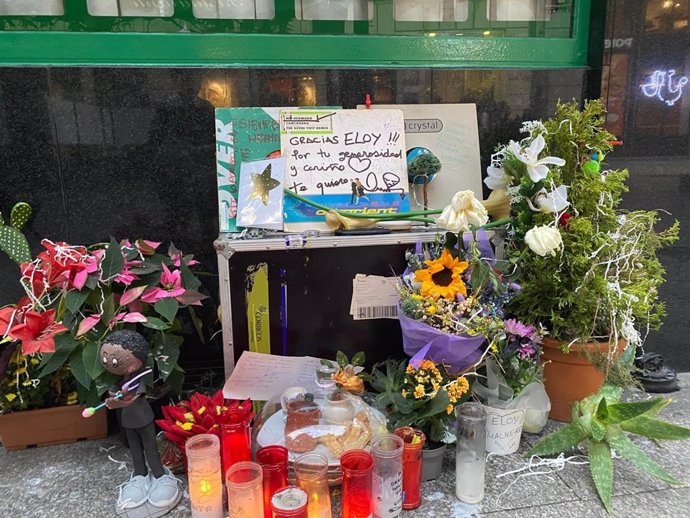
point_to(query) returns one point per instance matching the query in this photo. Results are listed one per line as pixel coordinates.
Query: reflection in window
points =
(520, 10)
(32, 7)
(430, 10)
(146, 8)
(667, 15)
(348, 10)
(234, 9)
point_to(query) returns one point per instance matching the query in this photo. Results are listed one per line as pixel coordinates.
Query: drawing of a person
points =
(354, 193)
(360, 191)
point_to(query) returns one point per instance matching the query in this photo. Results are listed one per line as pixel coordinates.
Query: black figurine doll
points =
(124, 353)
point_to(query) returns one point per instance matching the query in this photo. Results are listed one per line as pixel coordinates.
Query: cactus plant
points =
(12, 240)
(602, 420)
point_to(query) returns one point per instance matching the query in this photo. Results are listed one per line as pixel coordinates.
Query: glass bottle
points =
(244, 482)
(470, 458)
(289, 502)
(236, 439)
(357, 466)
(413, 440)
(311, 472)
(387, 478)
(204, 472)
(274, 463)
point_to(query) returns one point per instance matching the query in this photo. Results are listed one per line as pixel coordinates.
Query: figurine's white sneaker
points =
(134, 492)
(165, 490)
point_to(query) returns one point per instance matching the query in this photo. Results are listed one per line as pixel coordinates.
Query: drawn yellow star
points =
(262, 185)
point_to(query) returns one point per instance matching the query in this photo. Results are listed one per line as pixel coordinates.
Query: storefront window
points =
(520, 10)
(130, 7)
(234, 9)
(667, 15)
(32, 7)
(348, 10)
(430, 10)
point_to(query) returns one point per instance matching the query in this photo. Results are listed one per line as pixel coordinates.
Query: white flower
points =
(554, 201)
(496, 178)
(543, 240)
(536, 167)
(464, 210)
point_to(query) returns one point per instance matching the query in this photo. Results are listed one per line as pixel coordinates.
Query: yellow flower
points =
(35, 361)
(26, 383)
(189, 417)
(409, 370)
(72, 398)
(416, 297)
(10, 397)
(404, 393)
(184, 426)
(200, 411)
(442, 277)
(449, 409)
(432, 310)
(419, 391)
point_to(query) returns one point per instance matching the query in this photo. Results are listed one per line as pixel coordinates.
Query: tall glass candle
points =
(289, 502)
(413, 440)
(311, 472)
(387, 478)
(236, 439)
(470, 458)
(357, 466)
(244, 482)
(204, 472)
(274, 462)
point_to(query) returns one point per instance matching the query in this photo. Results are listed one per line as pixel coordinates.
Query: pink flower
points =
(87, 324)
(515, 327)
(130, 318)
(526, 351)
(126, 276)
(171, 286)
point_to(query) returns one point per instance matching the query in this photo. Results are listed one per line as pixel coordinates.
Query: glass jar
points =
(301, 415)
(413, 440)
(204, 473)
(470, 458)
(274, 463)
(357, 466)
(387, 478)
(311, 472)
(337, 409)
(236, 439)
(289, 502)
(244, 482)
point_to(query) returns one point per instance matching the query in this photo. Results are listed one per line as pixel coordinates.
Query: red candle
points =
(274, 462)
(357, 466)
(235, 439)
(413, 440)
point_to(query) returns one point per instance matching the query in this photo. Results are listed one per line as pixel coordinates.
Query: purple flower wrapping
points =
(456, 352)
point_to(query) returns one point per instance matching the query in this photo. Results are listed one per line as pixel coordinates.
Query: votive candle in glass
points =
(204, 473)
(357, 466)
(311, 472)
(289, 502)
(244, 483)
(236, 439)
(274, 462)
(387, 478)
(413, 440)
(470, 457)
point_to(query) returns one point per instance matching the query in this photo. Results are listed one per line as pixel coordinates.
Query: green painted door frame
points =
(77, 39)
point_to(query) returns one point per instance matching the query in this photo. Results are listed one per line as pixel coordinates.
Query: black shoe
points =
(654, 376)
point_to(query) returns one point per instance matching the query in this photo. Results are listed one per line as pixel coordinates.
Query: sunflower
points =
(442, 277)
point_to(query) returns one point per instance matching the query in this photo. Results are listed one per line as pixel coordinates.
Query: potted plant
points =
(589, 270)
(76, 296)
(602, 421)
(422, 395)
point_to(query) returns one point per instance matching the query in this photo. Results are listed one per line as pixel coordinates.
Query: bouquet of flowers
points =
(517, 352)
(451, 300)
(420, 394)
(76, 296)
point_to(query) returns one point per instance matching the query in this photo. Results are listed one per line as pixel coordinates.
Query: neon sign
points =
(664, 86)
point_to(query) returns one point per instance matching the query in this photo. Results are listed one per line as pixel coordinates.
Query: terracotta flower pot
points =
(569, 377)
(48, 426)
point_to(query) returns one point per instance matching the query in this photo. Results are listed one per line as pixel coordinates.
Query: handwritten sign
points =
(346, 159)
(503, 429)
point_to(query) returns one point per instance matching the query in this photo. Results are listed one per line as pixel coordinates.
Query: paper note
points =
(262, 376)
(373, 297)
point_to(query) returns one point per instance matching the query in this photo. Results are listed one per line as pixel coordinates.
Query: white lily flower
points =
(554, 201)
(536, 167)
(496, 178)
(544, 240)
(464, 210)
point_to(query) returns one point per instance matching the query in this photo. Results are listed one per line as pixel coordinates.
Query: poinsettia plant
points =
(76, 296)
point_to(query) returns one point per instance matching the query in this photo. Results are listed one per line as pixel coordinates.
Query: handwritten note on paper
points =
(346, 159)
(262, 376)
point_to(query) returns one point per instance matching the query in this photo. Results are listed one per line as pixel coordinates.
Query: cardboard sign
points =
(450, 132)
(345, 159)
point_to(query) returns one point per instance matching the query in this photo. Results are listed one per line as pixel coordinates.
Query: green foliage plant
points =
(603, 423)
(601, 284)
(12, 240)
